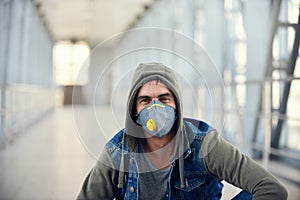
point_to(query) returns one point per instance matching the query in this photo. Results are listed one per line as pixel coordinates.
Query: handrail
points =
(267, 114)
(23, 105)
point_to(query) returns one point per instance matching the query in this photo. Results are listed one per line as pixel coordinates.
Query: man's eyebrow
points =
(144, 97)
(165, 95)
(159, 96)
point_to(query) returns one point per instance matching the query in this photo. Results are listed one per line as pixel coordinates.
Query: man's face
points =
(154, 90)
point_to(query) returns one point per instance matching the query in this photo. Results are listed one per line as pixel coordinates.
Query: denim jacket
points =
(199, 184)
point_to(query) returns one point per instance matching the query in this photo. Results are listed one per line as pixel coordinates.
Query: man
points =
(161, 155)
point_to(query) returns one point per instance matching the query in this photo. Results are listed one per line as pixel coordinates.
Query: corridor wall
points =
(26, 73)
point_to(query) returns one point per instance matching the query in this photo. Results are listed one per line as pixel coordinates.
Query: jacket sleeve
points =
(100, 183)
(226, 162)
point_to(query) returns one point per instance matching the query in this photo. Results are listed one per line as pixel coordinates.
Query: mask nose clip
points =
(155, 103)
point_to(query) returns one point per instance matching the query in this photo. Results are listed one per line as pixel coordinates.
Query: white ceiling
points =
(90, 20)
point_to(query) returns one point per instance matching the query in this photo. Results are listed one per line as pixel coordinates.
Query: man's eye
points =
(164, 100)
(144, 101)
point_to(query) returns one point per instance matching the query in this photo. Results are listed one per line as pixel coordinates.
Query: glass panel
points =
(71, 63)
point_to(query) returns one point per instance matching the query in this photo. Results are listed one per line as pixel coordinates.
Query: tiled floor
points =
(51, 159)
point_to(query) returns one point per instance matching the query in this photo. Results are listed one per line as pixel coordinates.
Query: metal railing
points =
(21, 106)
(266, 117)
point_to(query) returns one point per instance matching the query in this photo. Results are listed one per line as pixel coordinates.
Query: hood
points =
(144, 73)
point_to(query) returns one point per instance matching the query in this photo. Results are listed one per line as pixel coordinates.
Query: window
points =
(71, 62)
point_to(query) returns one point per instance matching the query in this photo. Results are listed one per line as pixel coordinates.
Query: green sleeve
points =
(101, 182)
(228, 163)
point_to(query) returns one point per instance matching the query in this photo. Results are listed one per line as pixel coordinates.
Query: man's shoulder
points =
(197, 127)
(116, 141)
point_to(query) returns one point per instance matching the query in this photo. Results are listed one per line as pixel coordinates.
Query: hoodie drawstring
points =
(121, 170)
(181, 164)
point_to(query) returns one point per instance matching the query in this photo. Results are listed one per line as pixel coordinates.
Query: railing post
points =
(4, 136)
(267, 87)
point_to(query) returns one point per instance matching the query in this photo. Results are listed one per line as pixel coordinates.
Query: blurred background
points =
(65, 69)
